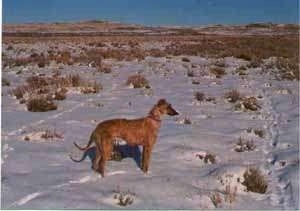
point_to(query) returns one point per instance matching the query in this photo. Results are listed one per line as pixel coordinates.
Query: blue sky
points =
(154, 12)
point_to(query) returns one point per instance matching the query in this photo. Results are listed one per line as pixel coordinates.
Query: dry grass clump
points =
(39, 59)
(40, 104)
(250, 103)
(259, 132)
(216, 199)
(60, 94)
(255, 181)
(232, 96)
(217, 71)
(40, 91)
(190, 73)
(288, 68)
(220, 63)
(199, 96)
(241, 70)
(138, 81)
(185, 59)
(51, 134)
(230, 193)
(244, 145)
(5, 82)
(20, 91)
(207, 158)
(254, 63)
(124, 198)
(91, 88)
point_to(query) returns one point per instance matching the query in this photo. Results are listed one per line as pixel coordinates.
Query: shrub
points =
(138, 81)
(200, 96)
(190, 73)
(250, 103)
(40, 104)
(5, 82)
(232, 96)
(230, 193)
(255, 181)
(185, 59)
(124, 198)
(20, 91)
(244, 145)
(216, 199)
(217, 71)
(91, 88)
(60, 94)
(259, 132)
(51, 134)
(208, 157)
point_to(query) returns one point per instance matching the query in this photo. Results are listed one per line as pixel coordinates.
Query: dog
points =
(142, 131)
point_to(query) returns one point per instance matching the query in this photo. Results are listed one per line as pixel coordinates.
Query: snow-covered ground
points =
(38, 174)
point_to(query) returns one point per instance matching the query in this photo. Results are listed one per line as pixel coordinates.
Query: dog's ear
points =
(161, 102)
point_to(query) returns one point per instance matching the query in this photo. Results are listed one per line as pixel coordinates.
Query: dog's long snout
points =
(172, 111)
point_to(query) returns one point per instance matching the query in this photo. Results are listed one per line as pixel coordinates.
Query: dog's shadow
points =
(124, 151)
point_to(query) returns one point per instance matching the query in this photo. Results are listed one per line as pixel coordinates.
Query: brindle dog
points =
(142, 131)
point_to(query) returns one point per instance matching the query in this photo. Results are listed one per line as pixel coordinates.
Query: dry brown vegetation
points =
(40, 104)
(217, 71)
(255, 181)
(51, 134)
(253, 48)
(138, 81)
(199, 96)
(5, 82)
(232, 96)
(40, 91)
(244, 145)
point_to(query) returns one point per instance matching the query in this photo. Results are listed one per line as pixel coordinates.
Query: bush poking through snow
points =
(124, 198)
(208, 157)
(250, 103)
(5, 82)
(216, 199)
(51, 134)
(232, 96)
(200, 96)
(138, 81)
(255, 181)
(244, 145)
(185, 59)
(60, 94)
(230, 193)
(190, 73)
(217, 71)
(40, 104)
(91, 88)
(259, 132)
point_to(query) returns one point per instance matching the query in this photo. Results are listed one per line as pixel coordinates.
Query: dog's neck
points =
(154, 114)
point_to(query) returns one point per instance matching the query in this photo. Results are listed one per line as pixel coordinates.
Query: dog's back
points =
(133, 131)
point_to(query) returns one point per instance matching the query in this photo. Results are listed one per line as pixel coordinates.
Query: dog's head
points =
(166, 108)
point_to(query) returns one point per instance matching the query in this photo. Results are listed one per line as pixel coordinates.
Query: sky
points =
(152, 12)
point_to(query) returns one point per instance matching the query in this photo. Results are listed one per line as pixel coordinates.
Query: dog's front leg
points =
(146, 158)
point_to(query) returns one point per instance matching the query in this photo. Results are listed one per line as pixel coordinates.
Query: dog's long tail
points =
(77, 161)
(87, 146)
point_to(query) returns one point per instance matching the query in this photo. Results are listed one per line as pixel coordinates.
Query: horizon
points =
(152, 13)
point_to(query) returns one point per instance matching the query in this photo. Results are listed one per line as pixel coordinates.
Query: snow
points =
(38, 174)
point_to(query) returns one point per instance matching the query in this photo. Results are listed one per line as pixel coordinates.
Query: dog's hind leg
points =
(106, 150)
(97, 158)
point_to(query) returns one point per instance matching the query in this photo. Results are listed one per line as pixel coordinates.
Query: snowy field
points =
(199, 160)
